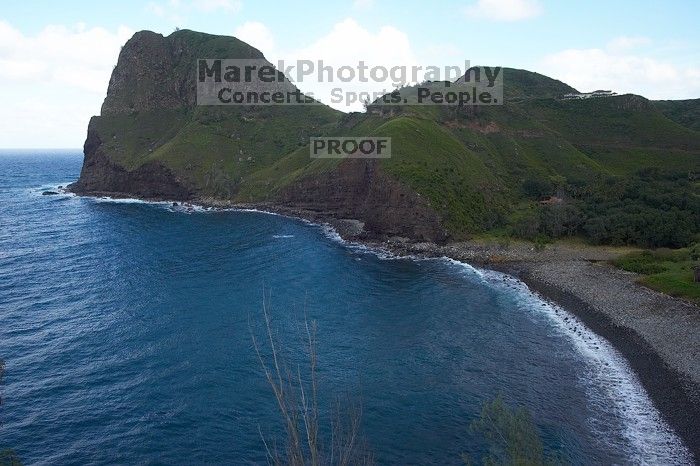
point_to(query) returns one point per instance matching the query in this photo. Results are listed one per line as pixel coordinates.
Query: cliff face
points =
(152, 141)
(360, 189)
(156, 73)
(143, 79)
(100, 175)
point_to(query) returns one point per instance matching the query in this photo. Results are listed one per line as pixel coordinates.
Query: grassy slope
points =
(266, 182)
(472, 175)
(214, 148)
(668, 271)
(684, 112)
(623, 134)
(523, 146)
(523, 84)
(428, 158)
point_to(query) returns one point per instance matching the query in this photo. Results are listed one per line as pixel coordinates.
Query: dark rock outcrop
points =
(100, 175)
(157, 73)
(361, 190)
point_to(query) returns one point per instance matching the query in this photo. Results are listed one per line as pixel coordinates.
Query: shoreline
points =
(674, 392)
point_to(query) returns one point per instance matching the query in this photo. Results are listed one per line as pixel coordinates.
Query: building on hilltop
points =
(588, 95)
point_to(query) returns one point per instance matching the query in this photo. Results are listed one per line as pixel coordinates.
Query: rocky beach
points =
(655, 332)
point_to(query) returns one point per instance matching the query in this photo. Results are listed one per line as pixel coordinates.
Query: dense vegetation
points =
(648, 209)
(669, 271)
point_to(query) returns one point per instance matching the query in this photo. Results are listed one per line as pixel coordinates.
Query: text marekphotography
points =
(259, 82)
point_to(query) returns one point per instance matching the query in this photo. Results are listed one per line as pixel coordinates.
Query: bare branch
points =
(297, 400)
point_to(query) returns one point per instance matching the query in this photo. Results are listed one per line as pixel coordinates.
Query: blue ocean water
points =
(126, 331)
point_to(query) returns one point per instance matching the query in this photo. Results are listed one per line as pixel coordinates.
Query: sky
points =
(56, 57)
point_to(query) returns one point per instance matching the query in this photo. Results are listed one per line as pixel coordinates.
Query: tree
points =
(511, 434)
(536, 188)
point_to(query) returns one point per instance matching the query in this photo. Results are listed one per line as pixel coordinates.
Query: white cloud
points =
(53, 81)
(504, 10)
(348, 41)
(347, 44)
(258, 35)
(73, 56)
(623, 43)
(30, 119)
(615, 68)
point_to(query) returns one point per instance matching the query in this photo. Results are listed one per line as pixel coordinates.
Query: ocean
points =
(127, 326)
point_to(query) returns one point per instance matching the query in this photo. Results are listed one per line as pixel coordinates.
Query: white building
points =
(588, 95)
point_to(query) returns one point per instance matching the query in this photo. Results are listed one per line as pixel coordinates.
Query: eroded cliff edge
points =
(152, 141)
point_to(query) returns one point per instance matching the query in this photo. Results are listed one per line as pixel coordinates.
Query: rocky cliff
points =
(152, 141)
(453, 171)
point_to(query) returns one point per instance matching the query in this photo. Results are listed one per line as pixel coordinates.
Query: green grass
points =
(684, 112)
(625, 121)
(622, 162)
(429, 159)
(667, 270)
(213, 148)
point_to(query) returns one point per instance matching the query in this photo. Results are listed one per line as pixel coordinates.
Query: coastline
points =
(661, 348)
(673, 393)
(663, 362)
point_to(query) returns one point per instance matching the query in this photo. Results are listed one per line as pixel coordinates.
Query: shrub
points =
(643, 263)
(511, 434)
(9, 458)
(536, 188)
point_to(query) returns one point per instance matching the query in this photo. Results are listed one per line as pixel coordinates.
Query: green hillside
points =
(620, 170)
(684, 112)
(624, 173)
